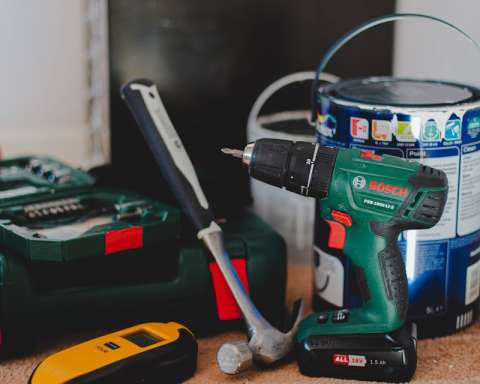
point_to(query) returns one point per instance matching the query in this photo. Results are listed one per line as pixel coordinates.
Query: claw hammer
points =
(266, 344)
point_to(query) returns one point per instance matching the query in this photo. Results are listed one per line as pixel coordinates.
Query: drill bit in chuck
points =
(245, 155)
(233, 152)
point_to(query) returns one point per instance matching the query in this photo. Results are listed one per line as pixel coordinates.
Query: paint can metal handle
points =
(364, 27)
(279, 84)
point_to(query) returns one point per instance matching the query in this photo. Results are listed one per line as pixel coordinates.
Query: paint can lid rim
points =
(401, 92)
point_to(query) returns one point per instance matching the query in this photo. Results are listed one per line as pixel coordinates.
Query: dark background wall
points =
(211, 59)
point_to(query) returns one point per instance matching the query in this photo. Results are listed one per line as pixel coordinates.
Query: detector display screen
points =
(142, 339)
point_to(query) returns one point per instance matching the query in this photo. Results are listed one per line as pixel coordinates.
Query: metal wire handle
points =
(362, 28)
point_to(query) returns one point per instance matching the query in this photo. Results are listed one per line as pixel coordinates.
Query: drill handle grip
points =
(380, 272)
(393, 271)
(144, 101)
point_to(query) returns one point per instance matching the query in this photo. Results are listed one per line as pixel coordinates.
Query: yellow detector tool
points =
(146, 353)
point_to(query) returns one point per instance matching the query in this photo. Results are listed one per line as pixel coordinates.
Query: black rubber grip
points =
(180, 178)
(426, 215)
(394, 276)
(270, 160)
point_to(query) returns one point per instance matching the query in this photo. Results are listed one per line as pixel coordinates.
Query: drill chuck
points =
(301, 167)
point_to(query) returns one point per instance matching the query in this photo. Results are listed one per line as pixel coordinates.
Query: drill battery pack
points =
(74, 256)
(388, 357)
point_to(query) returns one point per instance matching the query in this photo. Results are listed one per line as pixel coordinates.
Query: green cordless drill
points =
(366, 200)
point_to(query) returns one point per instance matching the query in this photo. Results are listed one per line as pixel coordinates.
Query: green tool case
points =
(119, 220)
(117, 260)
(64, 218)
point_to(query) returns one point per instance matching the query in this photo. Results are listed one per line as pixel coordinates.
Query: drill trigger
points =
(337, 235)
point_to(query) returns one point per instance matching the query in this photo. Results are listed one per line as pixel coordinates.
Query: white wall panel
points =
(43, 77)
(425, 49)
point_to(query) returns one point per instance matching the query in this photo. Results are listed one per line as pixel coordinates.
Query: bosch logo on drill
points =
(380, 186)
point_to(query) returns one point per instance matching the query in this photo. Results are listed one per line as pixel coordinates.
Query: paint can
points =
(438, 124)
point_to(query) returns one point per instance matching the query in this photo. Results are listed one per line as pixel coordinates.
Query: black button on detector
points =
(112, 345)
(340, 316)
(322, 318)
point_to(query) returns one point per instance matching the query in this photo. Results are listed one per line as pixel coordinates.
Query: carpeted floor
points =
(452, 359)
